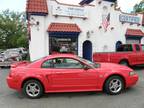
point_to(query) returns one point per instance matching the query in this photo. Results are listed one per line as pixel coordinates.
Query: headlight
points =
(132, 73)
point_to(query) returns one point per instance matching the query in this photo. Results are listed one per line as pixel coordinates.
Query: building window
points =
(63, 45)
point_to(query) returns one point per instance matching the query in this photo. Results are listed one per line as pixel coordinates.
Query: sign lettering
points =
(69, 11)
(129, 19)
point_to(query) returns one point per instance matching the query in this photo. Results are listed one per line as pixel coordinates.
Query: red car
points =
(69, 73)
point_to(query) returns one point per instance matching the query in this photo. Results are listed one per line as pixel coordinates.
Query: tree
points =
(12, 30)
(139, 7)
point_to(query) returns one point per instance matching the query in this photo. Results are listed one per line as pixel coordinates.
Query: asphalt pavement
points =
(130, 98)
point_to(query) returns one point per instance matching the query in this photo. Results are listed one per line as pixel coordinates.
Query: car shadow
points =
(62, 95)
(70, 95)
(73, 94)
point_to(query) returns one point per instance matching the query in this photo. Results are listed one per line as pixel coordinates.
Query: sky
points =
(19, 5)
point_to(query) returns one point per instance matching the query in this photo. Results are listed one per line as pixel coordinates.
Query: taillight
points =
(10, 74)
(13, 66)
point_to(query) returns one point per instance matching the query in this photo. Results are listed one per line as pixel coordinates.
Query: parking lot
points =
(130, 98)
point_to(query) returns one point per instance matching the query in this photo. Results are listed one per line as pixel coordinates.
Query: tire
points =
(125, 63)
(33, 89)
(114, 85)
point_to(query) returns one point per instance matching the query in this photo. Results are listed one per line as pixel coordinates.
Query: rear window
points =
(125, 48)
(142, 47)
(137, 47)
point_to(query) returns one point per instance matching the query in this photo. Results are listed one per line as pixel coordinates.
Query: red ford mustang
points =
(69, 73)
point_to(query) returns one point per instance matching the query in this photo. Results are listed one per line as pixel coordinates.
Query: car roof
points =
(55, 56)
(61, 55)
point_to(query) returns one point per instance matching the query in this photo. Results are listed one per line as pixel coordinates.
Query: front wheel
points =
(33, 89)
(114, 85)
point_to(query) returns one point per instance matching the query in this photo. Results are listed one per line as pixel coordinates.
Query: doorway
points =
(87, 50)
(118, 44)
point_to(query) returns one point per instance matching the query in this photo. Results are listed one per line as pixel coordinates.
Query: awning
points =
(134, 33)
(85, 2)
(111, 0)
(63, 30)
(63, 27)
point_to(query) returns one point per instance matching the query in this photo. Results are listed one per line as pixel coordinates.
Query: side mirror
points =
(86, 67)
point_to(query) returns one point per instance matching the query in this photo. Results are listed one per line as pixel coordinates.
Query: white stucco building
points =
(93, 26)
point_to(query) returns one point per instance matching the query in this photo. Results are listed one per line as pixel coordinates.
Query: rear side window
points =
(47, 64)
(142, 47)
(67, 63)
(125, 48)
(137, 47)
(62, 63)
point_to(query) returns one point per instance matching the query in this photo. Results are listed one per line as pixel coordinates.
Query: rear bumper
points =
(13, 84)
(131, 81)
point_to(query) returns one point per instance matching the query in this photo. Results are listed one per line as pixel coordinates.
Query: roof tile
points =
(134, 32)
(63, 27)
(37, 6)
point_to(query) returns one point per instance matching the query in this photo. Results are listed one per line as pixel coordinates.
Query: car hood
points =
(114, 66)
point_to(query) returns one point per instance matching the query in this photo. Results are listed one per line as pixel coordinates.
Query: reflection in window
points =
(63, 45)
(47, 64)
(67, 63)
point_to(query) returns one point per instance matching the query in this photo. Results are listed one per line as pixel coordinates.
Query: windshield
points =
(93, 64)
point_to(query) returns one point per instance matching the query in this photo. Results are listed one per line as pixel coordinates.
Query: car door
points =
(69, 74)
(142, 54)
(135, 56)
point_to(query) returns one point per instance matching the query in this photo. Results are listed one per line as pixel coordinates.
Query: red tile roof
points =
(63, 27)
(134, 32)
(37, 6)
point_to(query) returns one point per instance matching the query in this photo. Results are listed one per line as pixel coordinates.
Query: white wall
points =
(101, 40)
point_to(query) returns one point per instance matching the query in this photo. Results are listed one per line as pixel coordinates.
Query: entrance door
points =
(118, 44)
(87, 50)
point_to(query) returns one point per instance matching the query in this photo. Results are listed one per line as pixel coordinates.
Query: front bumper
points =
(132, 80)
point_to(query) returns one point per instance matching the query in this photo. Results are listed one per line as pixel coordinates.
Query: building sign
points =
(69, 11)
(129, 19)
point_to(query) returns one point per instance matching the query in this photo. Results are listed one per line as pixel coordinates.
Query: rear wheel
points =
(114, 85)
(124, 62)
(33, 89)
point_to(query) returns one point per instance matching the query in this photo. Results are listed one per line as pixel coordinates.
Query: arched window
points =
(118, 44)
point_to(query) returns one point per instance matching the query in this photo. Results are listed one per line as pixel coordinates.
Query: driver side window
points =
(67, 63)
(62, 63)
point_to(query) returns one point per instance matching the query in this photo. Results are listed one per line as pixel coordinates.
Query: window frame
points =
(46, 61)
(137, 50)
(53, 67)
(72, 59)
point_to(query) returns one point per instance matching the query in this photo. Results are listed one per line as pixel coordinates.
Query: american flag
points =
(106, 22)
